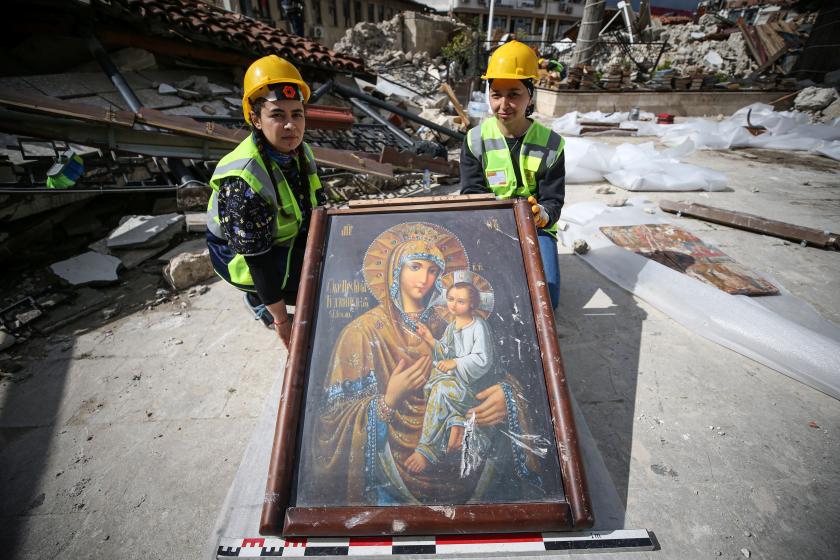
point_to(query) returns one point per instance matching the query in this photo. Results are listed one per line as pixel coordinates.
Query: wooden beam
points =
(407, 160)
(50, 105)
(447, 89)
(349, 160)
(446, 199)
(191, 127)
(753, 223)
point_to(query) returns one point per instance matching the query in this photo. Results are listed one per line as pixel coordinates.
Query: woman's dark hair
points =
(475, 296)
(260, 140)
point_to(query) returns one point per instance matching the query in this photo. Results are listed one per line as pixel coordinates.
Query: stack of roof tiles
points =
(214, 26)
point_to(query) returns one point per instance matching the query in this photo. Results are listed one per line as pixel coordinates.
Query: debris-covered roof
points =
(203, 23)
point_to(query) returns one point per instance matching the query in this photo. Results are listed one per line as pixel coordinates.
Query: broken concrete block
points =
(196, 221)
(194, 246)
(166, 89)
(6, 340)
(814, 99)
(188, 269)
(88, 268)
(145, 231)
(580, 246)
(832, 111)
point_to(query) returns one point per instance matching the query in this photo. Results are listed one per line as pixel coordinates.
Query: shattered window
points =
(371, 13)
(357, 10)
(381, 12)
(333, 10)
(345, 5)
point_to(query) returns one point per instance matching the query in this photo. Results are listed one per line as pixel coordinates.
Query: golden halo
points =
(485, 290)
(374, 265)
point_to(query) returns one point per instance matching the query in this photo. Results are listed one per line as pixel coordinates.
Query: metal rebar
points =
(363, 107)
(324, 88)
(350, 92)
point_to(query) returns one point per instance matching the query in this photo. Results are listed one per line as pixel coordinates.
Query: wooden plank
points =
(447, 89)
(757, 224)
(423, 207)
(345, 159)
(191, 127)
(407, 160)
(52, 106)
(420, 200)
(767, 64)
(749, 41)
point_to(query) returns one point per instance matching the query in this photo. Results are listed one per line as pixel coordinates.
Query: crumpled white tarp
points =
(786, 130)
(782, 332)
(638, 167)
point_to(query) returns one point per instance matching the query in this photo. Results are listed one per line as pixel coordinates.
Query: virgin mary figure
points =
(372, 403)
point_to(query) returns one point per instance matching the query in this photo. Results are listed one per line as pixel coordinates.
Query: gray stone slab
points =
(60, 85)
(148, 98)
(166, 89)
(88, 268)
(217, 89)
(105, 100)
(139, 231)
(194, 109)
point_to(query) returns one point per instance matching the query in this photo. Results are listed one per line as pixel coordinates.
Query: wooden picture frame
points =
(304, 501)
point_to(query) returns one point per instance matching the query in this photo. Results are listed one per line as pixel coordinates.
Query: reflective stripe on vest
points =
(245, 162)
(541, 147)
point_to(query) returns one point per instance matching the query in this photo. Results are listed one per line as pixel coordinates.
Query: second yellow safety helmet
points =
(269, 70)
(512, 61)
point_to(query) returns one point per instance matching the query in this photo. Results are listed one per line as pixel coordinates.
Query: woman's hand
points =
(405, 379)
(284, 331)
(540, 214)
(282, 321)
(493, 409)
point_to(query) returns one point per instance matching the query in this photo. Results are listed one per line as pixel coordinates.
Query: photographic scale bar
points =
(507, 544)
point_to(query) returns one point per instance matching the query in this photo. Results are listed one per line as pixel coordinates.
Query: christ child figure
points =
(463, 355)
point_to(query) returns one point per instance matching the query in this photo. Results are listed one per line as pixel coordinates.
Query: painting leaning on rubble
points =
(424, 391)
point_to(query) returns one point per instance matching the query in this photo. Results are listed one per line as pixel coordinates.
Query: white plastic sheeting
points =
(786, 130)
(638, 167)
(567, 125)
(781, 332)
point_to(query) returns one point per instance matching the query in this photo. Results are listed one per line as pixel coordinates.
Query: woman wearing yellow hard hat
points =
(263, 195)
(511, 155)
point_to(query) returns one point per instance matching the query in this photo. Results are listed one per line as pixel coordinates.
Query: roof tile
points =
(199, 21)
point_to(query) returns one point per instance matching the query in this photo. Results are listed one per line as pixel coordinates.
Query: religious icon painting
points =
(424, 391)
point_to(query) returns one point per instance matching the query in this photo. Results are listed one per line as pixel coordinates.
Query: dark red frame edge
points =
(559, 398)
(281, 464)
(334, 521)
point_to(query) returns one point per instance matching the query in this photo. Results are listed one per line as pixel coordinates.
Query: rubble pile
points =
(374, 42)
(823, 104)
(687, 51)
(342, 188)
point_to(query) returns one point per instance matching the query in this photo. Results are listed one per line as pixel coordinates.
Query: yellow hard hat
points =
(265, 71)
(512, 61)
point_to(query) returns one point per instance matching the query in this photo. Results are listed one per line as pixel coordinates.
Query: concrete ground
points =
(120, 437)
